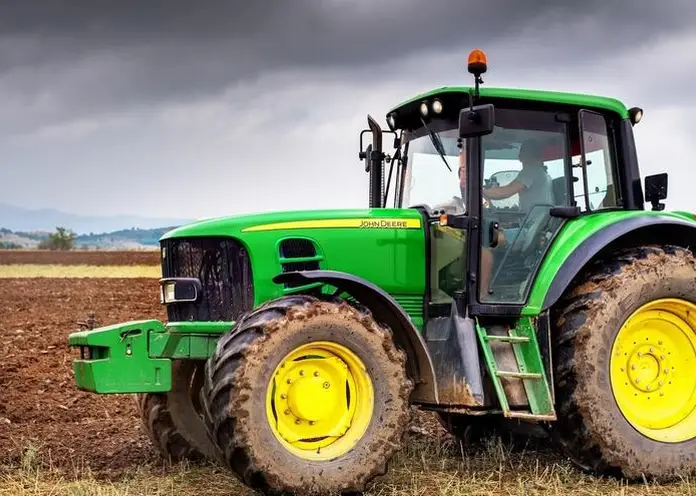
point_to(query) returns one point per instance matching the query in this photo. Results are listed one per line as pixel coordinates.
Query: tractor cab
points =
(496, 174)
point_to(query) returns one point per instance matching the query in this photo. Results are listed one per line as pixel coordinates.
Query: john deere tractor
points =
(511, 266)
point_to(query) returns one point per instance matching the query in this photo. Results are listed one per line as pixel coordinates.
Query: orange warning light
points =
(477, 62)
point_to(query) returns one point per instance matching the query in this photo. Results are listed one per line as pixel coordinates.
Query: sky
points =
(201, 109)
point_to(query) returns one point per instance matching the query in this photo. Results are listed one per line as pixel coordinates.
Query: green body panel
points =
(579, 99)
(570, 237)
(383, 246)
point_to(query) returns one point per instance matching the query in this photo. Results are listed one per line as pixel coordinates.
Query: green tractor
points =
(507, 269)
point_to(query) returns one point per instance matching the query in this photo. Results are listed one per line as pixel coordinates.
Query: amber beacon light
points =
(477, 63)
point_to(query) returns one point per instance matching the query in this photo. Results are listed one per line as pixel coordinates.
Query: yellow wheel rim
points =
(320, 400)
(652, 370)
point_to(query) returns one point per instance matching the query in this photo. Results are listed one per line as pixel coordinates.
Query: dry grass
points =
(78, 271)
(424, 468)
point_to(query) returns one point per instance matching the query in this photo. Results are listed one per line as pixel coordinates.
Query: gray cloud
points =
(107, 104)
(74, 58)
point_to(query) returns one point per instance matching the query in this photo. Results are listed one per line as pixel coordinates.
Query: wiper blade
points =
(437, 143)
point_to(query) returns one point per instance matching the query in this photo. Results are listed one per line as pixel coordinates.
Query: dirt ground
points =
(79, 257)
(39, 403)
(40, 407)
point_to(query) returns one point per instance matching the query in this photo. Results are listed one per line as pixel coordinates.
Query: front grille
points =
(221, 265)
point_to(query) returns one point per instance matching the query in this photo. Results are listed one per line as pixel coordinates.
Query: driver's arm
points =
(504, 191)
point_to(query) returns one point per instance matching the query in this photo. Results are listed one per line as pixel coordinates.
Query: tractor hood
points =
(383, 246)
(241, 226)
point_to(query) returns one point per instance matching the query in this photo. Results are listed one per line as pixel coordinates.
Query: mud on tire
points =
(236, 385)
(591, 428)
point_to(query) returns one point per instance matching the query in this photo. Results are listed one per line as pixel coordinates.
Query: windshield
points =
(428, 181)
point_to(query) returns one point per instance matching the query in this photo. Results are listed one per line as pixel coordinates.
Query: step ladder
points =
(531, 370)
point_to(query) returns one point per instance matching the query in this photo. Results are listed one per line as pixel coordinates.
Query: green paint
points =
(529, 360)
(122, 363)
(571, 237)
(578, 99)
(391, 258)
(523, 340)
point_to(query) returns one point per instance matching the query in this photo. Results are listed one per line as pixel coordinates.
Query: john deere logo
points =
(384, 224)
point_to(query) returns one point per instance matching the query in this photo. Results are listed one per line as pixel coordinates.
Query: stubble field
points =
(55, 439)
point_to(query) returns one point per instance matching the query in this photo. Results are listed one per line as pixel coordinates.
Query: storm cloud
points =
(275, 92)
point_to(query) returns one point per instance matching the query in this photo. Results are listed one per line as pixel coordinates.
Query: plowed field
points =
(39, 403)
(32, 257)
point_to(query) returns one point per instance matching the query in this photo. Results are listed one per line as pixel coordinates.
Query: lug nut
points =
(287, 412)
(298, 422)
(283, 396)
(301, 372)
(316, 373)
(327, 385)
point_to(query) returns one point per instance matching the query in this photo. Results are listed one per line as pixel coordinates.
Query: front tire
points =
(307, 396)
(625, 348)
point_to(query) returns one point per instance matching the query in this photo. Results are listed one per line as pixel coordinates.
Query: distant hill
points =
(124, 239)
(46, 220)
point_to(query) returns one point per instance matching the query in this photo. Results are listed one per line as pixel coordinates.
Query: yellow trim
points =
(306, 403)
(651, 369)
(357, 223)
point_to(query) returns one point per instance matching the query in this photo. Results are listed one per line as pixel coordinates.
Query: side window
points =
(595, 182)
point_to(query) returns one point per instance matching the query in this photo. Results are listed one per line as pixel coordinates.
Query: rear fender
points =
(387, 310)
(634, 231)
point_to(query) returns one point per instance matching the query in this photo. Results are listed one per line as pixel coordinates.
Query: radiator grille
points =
(222, 265)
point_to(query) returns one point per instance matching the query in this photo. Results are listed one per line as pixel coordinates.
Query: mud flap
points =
(115, 359)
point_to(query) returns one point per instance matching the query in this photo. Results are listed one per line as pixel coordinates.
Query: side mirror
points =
(656, 190)
(476, 121)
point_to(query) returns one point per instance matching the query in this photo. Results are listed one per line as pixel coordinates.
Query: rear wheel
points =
(625, 352)
(307, 396)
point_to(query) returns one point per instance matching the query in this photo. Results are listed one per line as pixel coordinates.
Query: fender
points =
(669, 229)
(386, 309)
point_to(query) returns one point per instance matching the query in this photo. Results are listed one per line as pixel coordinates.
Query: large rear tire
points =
(624, 352)
(307, 396)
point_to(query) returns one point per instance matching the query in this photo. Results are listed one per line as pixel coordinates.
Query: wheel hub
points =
(321, 400)
(651, 358)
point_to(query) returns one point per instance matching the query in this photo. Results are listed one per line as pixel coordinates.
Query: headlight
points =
(179, 290)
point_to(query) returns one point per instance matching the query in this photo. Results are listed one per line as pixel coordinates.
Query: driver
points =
(533, 184)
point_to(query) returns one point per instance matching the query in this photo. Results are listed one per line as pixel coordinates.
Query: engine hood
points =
(245, 225)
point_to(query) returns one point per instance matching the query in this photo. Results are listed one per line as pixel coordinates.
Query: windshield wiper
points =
(437, 143)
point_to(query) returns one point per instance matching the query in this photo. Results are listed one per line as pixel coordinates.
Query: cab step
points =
(523, 340)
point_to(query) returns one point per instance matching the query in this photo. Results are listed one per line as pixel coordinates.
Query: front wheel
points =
(307, 396)
(625, 351)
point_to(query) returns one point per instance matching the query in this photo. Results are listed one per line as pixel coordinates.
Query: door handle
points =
(493, 233)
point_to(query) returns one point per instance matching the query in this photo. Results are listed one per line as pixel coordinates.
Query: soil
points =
(79, 257)
(39, 403)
